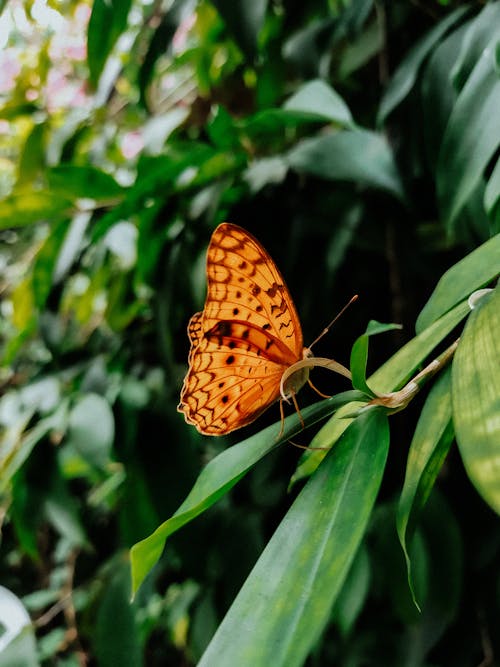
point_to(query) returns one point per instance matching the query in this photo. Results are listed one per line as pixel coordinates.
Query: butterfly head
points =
(295, 376)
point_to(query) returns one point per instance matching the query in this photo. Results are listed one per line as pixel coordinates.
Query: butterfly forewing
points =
(245, 284)
(246, 336)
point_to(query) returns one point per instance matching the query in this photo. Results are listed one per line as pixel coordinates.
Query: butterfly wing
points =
(246, 336)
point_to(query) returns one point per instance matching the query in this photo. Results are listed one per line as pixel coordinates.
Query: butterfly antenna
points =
(327, 328)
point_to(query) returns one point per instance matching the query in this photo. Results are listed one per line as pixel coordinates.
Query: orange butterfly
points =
(246, 345)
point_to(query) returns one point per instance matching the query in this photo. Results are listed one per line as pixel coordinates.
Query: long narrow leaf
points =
(302, 569)
(428, 450)
(219, 476)
(400, 367)
(476, 398)
(476, 270)
(471, 137)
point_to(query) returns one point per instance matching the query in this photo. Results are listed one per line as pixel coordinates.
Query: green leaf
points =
(439, 94)
(117, 638)
(476, 402)
(429, 447)
(107, 22)
(219, 476)
(402, 365)
(83, 182)
(492, 192)
(474, 271)
(406, 74)
(303, 567)
(471, 137)
(482, 30)
(244, 19)
(319, 99)
(26, 207)
(359, 354)
(32, 158)
(91, 429)
(350, 155)
(353, 593)
(160, 44)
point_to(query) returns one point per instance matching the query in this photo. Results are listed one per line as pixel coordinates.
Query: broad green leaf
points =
(319, 99)
(480, 31)
(26, 207)
(117, 639)
(353, 593)
(303, 567)
(492, 192)
(305, 50)
(219, 476)
(83, 182)
(352, 155)
(271, 122)
(32, 158)
(471, 137)
(438, 94)
(45, 261)
(325, 438)
(402, 365)
(91, 429)
(107, 21)
(429, 447)
(474, 271)
(359, 354)
(244, 19)
(476, 398)
(405, 76)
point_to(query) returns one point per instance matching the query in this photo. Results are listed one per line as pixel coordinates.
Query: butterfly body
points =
(244, 340)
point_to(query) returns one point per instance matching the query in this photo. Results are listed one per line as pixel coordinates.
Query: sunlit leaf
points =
(83, 182)
(107, 22)
(27, 207)
(476, 392)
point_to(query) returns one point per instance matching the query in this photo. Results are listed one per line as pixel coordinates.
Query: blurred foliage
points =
(359, 141)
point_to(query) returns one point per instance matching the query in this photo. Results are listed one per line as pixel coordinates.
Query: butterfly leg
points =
(282, 419)
(297, 409)
(320, 393)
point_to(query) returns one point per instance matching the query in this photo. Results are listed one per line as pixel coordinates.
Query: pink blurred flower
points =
(131, 144)
(179, 40)
(9, 69)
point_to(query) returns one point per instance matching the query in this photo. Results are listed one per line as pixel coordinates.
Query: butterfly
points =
(246, 345)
